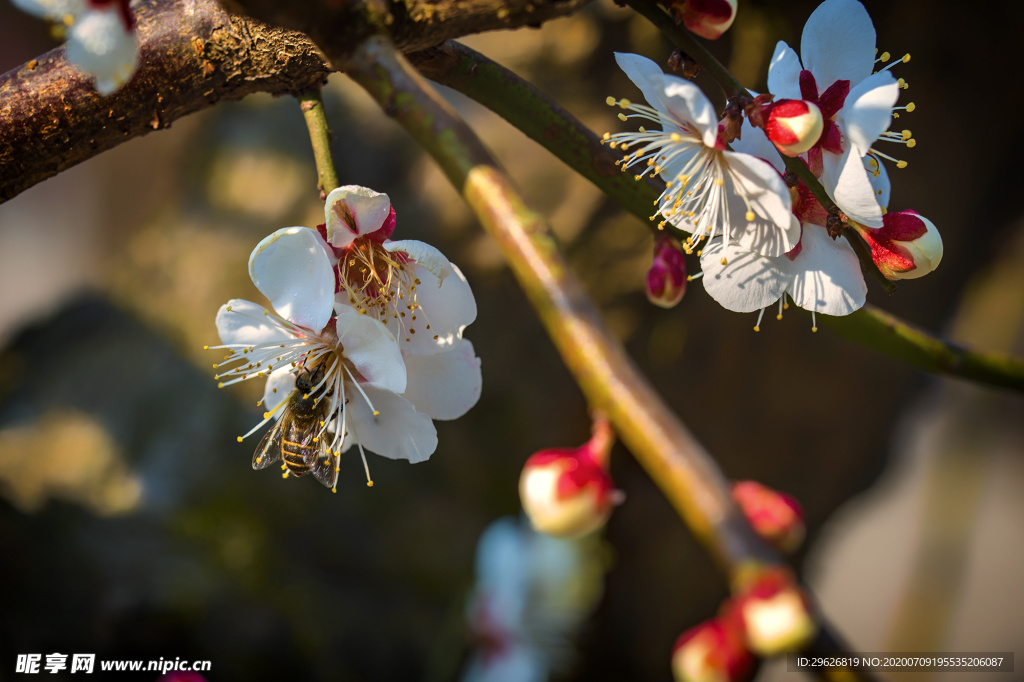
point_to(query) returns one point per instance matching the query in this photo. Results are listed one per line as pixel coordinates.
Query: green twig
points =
(534, 113)
(312, 105)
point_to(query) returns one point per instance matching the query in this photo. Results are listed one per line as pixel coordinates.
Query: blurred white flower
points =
(532, 593)
(101, 37)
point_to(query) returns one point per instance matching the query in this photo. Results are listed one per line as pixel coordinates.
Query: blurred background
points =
(133, 526)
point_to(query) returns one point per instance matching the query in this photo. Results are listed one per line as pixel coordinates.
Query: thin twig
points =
(539, 117)
(312, 105)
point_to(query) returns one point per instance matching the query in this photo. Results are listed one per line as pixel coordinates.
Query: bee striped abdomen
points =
(297, 446)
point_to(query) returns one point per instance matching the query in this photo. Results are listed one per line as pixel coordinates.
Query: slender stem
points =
(609, 379)
(534, 113)
(312, 105)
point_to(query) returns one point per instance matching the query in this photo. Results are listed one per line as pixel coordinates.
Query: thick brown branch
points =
(193, 55)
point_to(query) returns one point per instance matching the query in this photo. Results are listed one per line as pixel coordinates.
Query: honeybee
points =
(297, 439)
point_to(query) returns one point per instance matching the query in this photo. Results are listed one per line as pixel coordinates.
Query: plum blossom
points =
(379, 397)
(710, 191)
(838, 52)
(101, 38)
(707, 18)
(819, 274)
(532, 592)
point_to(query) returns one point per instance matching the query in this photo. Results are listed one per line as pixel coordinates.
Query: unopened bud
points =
(907, 246)
(775, 516)
(794, 126)
(713, 651)
(707, 18)
(776, 614)
(666, 279)
(567, 492)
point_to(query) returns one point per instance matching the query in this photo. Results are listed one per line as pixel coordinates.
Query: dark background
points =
(131, 523)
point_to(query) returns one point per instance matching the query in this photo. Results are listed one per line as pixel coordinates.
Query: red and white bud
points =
(777, 517)
(713, 651)
(567, 492)
(665, 283)
(776, 614)
(707, 18)
(794, 126)
(907, 246)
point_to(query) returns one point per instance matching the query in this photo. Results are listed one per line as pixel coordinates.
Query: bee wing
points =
(269, 449)
(321, 463)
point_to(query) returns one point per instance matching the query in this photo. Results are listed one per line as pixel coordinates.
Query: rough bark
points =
(193, 54)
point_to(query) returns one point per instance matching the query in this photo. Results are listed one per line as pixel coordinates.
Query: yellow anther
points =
(239, 438)
(610, 101)
(885, 57)
(228, 308)
(606, 136)
(622, 116)
(756, 328)
(206, 348)
(626, 104)
(220, 385)
(719, 182)
(675, 137)
(643, 130)
(750, 216)
(334, 490)
(902, 84)
(376, 413)
(637, 177)
(901, 164)
(906, 58)
(911, 143)
(369, 484)
(779, 316)
(285, 474)
(814, 329)
(911, 107)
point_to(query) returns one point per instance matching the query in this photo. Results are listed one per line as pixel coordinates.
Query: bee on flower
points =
(338, 369)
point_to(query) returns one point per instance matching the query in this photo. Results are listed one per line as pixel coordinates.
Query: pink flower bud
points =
(666, 280)
(776, 614)
(713, 651)
(567, 492)
(907, 246)
(794, 126)
(775, 516)
(707, 18)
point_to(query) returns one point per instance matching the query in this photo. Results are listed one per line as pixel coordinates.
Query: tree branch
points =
(193, 54)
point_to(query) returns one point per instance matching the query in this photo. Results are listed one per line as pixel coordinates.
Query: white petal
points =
(879, 183)
(245, 323)
(423, 254)
(686, 102)
(372, 349)
(826, 276)
(645, 74)
(99, 45)
(279, 385)
(784, 73)
(838, 43)
(448, 308)
(846, 181)
(747, 282)
(754, 142)
(55, 10)
(772, 232)
(397, 432)
(444, 385)
(292, 269)
(867, 112)
(352, 210)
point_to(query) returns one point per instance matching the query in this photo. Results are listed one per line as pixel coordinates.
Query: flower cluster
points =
(764, 236)
(101, 38)
(364, 345)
